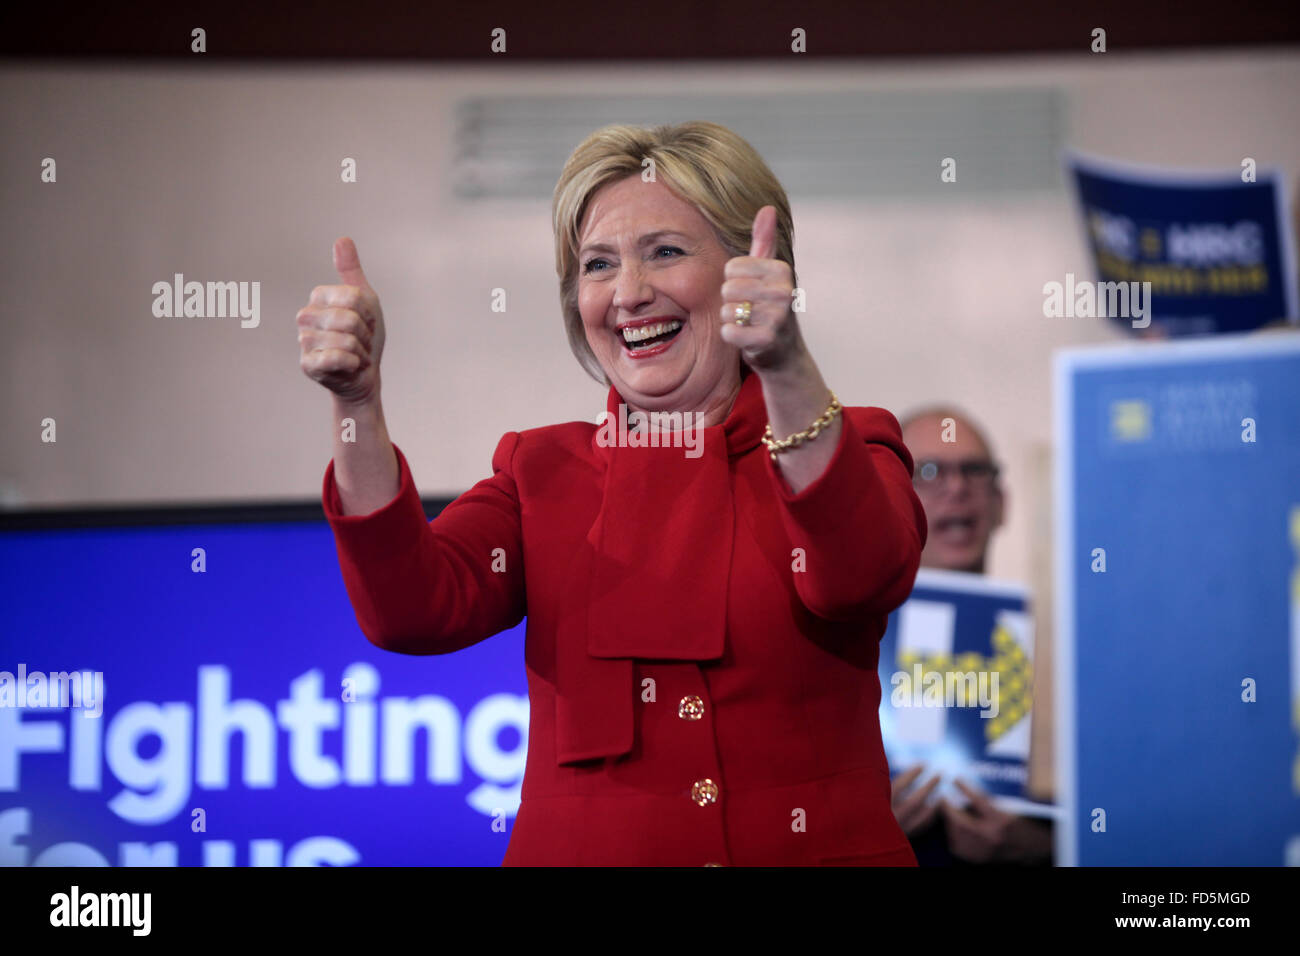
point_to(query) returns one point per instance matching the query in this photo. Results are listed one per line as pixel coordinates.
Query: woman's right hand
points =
(341, 331)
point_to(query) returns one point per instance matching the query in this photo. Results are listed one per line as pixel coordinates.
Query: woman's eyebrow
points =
(645, 240)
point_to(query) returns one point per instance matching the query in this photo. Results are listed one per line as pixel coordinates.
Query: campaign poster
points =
(956, 687)
(1196, 253)
(1178, 603)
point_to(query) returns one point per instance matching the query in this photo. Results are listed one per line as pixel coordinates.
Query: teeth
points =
(649, 331)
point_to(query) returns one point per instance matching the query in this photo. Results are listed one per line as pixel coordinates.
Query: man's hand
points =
(910, 809)
(981, 833)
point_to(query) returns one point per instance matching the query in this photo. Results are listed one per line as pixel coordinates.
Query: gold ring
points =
(743, 312)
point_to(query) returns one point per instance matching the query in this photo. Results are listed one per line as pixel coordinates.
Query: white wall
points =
(232, 174)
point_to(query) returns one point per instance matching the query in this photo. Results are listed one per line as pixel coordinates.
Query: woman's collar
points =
(743, 427)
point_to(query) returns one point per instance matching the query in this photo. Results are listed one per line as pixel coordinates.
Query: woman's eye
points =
(594, 265)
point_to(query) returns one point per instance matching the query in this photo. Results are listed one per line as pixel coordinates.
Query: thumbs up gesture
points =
(769, 339)
(341, 331)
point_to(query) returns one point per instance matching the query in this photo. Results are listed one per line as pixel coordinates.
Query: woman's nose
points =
(631, 289)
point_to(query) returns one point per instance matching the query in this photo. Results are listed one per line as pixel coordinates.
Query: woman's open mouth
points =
(646, 340)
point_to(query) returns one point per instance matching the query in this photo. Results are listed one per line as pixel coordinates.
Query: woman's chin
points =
(653, 381)
(654, 374)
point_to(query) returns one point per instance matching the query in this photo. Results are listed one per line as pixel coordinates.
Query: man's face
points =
(961, 494)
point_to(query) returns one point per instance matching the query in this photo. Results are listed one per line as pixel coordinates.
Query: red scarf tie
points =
(658, 561)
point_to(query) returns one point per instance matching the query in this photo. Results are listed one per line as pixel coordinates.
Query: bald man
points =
(958, 482)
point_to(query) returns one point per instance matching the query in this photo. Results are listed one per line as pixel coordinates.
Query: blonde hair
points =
(705, 164)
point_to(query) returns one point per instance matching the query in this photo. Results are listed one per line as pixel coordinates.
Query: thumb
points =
(978, 800)
(762, 245)
(348, 264)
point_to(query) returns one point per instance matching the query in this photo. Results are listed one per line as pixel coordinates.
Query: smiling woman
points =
(703, 617)
(635, 285)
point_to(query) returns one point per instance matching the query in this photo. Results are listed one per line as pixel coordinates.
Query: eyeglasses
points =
(931, 475)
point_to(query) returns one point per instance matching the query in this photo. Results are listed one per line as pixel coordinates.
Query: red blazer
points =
(748, 735)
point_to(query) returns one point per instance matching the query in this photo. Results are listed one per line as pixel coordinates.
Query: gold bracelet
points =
(775, 447)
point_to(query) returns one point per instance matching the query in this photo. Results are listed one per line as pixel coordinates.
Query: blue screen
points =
(244, 717)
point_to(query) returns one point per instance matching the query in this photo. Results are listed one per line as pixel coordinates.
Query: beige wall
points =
(232, 174)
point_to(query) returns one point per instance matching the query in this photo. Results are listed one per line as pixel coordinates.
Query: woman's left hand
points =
(793, 389)
(770, 340)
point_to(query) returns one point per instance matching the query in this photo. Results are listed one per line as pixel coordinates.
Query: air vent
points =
(871, 144)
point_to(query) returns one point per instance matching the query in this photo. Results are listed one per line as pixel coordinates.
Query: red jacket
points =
(718, 713)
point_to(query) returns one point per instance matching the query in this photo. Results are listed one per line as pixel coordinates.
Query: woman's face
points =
(647, 258)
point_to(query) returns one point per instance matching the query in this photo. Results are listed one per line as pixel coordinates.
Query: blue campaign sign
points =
(1178, 603)
(1217, 251)
(956, 673)
(244, 718)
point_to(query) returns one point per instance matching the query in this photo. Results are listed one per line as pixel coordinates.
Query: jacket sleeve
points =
(431, 587)
(860, 523)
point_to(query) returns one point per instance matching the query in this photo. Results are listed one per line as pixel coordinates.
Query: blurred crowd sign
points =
(1218, 250)
(1178, 603)
(956, 678)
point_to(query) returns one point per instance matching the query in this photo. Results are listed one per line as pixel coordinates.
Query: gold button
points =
(691, 708)
(704, 791)
(713, 864)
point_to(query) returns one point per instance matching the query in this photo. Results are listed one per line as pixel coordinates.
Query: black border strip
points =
(255, 512)
(581, 30)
